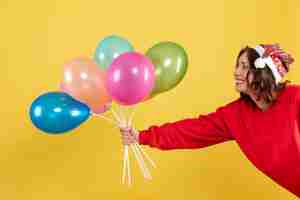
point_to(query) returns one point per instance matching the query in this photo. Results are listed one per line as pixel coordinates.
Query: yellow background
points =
(37, 37)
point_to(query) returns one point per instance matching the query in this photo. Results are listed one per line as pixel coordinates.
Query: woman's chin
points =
(240, 88)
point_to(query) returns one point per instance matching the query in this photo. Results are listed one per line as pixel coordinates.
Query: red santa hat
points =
(275, 58)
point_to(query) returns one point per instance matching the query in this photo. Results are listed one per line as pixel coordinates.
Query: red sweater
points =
(270, 139)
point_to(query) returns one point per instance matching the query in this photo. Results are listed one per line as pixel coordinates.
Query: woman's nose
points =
(236, 72)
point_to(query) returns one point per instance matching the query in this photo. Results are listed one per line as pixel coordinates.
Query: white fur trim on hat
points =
(261, 62)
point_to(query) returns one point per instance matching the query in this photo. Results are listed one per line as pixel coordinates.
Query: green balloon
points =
(170, 61)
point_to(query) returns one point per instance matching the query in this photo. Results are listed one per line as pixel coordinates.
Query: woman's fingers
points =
(127, 136)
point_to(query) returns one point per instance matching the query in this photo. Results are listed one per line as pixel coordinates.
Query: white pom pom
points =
(260, 63)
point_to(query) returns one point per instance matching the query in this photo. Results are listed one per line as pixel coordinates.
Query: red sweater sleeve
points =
(199, 132)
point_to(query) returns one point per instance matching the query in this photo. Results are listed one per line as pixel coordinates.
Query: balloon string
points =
(131, 115)
(138, 152)
(126, 161)
(128, 166)
(116, 116)
(121, 113)
(124, 165)
(106, 118)
(107, 112)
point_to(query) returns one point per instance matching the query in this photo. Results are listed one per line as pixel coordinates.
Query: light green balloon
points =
(171, 62)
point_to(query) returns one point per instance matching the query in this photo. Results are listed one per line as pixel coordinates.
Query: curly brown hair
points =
(263, 83)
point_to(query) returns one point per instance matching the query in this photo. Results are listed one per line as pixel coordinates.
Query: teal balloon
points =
(109, 49)
(58, 112)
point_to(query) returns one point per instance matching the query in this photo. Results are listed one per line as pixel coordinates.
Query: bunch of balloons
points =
(116, 73)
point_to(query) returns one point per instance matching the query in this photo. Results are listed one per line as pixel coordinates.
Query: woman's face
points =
(240, 74)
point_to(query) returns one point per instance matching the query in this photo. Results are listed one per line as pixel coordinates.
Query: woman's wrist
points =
(136, 135)
(137, 138)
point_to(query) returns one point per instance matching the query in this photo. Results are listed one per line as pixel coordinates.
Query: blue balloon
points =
(110, 48)
(58, 112)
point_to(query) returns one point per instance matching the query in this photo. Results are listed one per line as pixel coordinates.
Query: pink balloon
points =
(85, 81)
(130, 78)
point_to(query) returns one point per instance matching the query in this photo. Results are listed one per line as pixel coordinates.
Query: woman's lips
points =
(239, 81)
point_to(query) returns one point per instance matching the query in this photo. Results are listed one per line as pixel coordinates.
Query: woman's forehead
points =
(243, 58)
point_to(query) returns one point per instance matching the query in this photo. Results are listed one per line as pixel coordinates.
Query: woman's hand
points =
(128, 136)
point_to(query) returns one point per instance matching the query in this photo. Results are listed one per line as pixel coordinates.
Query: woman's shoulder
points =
(291, 93)
(232, 105)
(292, 89)
(293, 86)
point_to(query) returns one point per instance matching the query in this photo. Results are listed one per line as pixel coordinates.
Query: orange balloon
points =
(85, 81)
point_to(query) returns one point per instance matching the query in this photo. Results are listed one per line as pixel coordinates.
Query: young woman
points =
(264, 121)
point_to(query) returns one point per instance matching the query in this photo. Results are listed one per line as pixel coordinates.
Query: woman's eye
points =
(245, 67)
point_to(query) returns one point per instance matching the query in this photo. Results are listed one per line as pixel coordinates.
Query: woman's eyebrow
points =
(243, 62)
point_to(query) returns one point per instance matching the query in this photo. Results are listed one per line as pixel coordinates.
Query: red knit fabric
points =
(270, 139)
